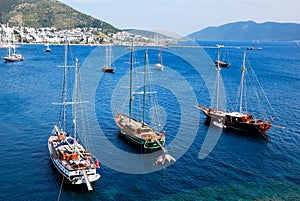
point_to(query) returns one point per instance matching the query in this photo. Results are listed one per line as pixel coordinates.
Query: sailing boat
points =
(70, 157)
(236, 120)
(12, 55)
(108, 56)
(47, 48)
(159, 65)
(138, 132)
(221, 63)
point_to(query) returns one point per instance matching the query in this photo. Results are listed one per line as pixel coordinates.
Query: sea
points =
(211, 163)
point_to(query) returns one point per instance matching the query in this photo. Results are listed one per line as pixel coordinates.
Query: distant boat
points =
(219, 46)
(159, 65)
(47, 48)
(68, 155)
(220, 63)
(138, 132)
(254, 48)
(236, 120)
(12, 55)
(108, 60)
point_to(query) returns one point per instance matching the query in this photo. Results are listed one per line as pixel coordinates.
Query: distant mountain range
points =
(47, 13)
(249, 31)
(52, 13)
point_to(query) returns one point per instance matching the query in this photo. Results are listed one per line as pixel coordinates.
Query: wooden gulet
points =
(108, 58)
(236, 120)
(138, 132)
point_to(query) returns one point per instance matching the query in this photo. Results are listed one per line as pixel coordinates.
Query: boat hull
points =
(145, 137)
(222, 64)
(73, 174)
(159, 66)
(237, 121)
(10, 59)
(108, 69)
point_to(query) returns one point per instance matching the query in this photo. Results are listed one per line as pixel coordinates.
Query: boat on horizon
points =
(108, 60)
(254, 48)
(72, 160)
(135, 131)
(221, 63)
(159, 65)
(13, 56)
(48, 49)
(237, 120)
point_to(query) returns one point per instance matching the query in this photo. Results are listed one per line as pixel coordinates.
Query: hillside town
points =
(84, 36)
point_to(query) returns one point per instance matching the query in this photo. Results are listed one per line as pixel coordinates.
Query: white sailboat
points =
(70, 157)
(48, 49)
(108, 60)
(159, 65)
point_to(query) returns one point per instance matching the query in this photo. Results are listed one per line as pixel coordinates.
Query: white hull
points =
(159, 66)
(67, 168)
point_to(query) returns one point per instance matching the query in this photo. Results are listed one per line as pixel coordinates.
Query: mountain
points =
(47, 13)
(250, 30)
(148, 34)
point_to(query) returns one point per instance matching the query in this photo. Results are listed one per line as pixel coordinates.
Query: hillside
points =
(47, 13)
(249, 30)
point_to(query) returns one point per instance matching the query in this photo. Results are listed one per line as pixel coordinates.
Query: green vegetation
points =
(47, 13)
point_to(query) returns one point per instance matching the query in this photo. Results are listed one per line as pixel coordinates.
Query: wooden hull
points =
(12, 59)
(108, 69)
(237, 121)
(222, 64)
(138, 135)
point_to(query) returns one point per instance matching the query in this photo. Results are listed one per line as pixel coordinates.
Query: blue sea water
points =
(237, 168)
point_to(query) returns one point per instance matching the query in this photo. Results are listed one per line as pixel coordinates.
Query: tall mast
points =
(14, 48)
(144, 98)
(242, 82)
(218, 82)
(65, 84)
(130, 84)
(160, 57)
(9, 51)
(110, 55)
(75, 104)
(106, 56)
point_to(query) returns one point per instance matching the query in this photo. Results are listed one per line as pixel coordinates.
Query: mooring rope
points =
(61, 185)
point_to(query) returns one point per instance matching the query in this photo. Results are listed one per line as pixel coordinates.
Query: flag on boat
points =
(97, 163)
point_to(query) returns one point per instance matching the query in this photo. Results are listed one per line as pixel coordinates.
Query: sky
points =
(186, 16)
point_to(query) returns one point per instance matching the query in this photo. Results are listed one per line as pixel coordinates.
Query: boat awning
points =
(235, 114)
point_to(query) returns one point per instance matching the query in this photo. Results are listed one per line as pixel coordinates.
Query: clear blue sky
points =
(186, 16)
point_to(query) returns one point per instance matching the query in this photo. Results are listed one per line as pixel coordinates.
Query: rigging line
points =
(137, 81)
(155, 121)
(61, 185)
(85, 126)
(144, 175)
(262, 90)
(260, 87)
